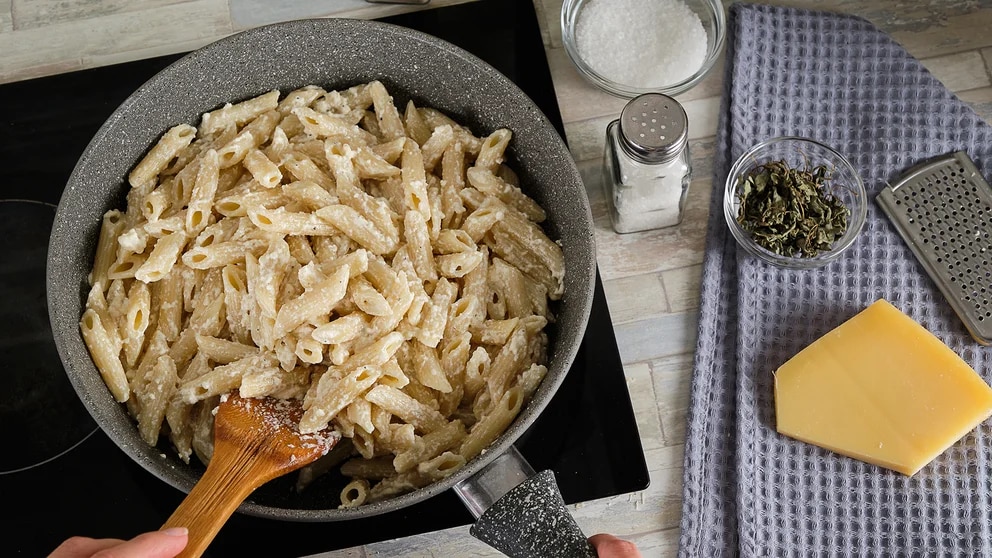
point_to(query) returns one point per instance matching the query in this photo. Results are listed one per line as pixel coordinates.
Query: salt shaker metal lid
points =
(654, 128)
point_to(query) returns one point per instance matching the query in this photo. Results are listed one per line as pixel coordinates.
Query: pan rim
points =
(65, 340)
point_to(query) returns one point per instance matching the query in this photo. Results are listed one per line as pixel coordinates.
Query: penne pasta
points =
(223, 351)
(263, 170)
(433, 324)
(382, 266)
(334, 395)
(163, 256)
(159, 156)
(414, 180)
(309, 350)
(169, 292)
(458, 264)
(355, 493)
(201, 199)
(416, 127)
(490, 426)
(157, 390)
(309, 193)
(302, 97)
(155, 204)
(510, 285)
(422, 417)
(377, 468)
(482, 218)
(507, 362)
(323, 125)
(358, 228)
(239, 113)
(492, 150)
(419, 245)
(222, 253)
(302, 167)
(105, 356)
(425, 363)
(222, 379)
(442, 466)
(284, 222)
(368, 299)
(317, 301)
(275, 380)
(136, 320)
(485, 181)
(433, 149)
(430, 446)
(386, 114)
(106, 246)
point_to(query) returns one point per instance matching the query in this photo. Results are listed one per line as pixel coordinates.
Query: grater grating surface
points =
(943, 210)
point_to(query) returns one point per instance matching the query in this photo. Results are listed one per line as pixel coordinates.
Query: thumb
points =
(156, 544)
(609, 546)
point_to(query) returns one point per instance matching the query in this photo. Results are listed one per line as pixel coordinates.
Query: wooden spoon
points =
(255, 441)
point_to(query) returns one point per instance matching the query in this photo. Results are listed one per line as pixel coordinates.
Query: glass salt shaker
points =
(646, 168)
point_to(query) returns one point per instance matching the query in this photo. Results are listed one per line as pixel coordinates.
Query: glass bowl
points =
(631, 42)
(842, 182)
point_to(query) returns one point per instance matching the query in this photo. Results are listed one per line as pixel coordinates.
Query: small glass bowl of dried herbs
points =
(794, 202)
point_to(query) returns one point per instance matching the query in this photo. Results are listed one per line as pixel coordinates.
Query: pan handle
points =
(519, 513)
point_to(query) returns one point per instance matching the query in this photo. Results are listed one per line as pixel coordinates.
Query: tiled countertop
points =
(651, 278)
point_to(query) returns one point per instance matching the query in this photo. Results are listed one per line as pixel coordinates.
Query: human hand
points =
(156, 544)
(608, 546)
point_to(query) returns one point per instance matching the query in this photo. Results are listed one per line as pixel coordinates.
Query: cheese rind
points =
(882, 389)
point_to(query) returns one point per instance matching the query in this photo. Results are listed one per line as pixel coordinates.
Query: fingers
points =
(608, 546)
(157, 544)
(82, 547)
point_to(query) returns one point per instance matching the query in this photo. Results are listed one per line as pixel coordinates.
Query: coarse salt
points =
(642, 208)
(641, 43)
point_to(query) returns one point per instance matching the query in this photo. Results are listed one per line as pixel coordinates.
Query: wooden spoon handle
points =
(255, 441)
(211, 502)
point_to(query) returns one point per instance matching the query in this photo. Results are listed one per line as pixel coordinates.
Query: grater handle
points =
(930, 165)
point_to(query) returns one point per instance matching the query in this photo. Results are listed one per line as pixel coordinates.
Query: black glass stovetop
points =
(61, 476)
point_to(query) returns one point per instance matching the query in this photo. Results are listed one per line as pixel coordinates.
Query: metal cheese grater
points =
(943, 210)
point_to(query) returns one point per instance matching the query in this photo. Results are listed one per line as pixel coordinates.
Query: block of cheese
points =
(882, 389)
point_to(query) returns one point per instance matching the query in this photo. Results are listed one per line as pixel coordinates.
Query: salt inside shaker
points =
(647, 168)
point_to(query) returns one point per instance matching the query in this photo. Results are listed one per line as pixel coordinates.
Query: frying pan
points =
(333, 53)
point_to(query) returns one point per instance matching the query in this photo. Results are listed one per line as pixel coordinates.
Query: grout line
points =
(231, 29)
(977, 49)
(986, 60)
(689, 351)
(958, 92)
(661, 282)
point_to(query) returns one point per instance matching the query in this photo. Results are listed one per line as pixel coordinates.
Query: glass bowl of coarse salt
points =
(631, 47)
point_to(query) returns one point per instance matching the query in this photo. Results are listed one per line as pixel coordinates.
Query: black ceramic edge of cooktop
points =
(59, 499)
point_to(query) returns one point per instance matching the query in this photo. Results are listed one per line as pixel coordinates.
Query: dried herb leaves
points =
(789, 211)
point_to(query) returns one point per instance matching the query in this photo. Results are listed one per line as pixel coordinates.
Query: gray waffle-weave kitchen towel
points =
(748, 490)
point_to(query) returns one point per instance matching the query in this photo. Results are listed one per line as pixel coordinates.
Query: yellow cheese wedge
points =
(882, 389)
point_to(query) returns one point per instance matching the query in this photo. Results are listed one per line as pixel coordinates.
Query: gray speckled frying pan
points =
(333, 53)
